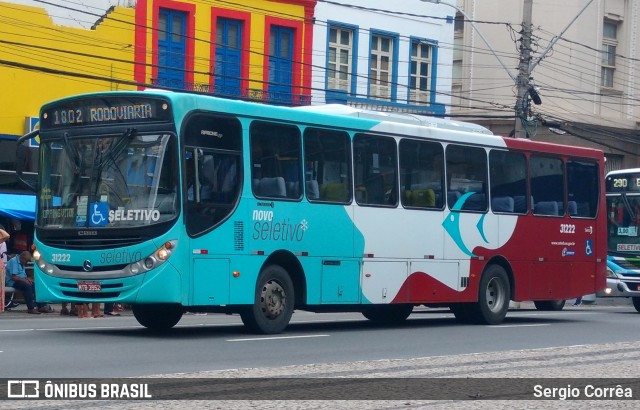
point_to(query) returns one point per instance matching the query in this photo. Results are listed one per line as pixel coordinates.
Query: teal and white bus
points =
(180, 203)
(623, 263)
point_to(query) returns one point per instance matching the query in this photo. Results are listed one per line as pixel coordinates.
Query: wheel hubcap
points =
(272, 299)
(495, 295)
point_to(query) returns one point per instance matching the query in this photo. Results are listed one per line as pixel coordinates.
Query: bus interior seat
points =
(503, 204)
(335, 192)
(361, 194)
(272, 187)
(313, 190)
(423, 198)
(583, 209)
(520, 204)
(476, 202)
(293, 189)
(546, 208)
(452, 197)
(572, 206)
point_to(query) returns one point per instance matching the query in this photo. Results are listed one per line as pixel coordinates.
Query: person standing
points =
(578, 301)
(16, 277)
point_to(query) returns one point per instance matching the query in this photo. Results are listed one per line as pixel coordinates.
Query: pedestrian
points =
(578, 301)
(16, 277)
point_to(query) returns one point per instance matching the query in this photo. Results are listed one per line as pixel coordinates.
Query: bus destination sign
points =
(81, 112)
(623, 182)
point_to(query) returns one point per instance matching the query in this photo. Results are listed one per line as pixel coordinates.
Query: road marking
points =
(533, 325)
(253, 339)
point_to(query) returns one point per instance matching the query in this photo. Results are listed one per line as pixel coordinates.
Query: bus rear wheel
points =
(494, 296)
(388, 314)
(636, 302)
(273, 304)
(549, 305)
(158, 316)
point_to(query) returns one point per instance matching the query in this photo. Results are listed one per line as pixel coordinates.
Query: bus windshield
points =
(110, 181)
(623, 223)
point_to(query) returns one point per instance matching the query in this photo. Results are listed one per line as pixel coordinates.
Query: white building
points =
(588, 82)
(383, 55)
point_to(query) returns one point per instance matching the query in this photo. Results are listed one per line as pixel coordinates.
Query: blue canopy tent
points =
(22, 207)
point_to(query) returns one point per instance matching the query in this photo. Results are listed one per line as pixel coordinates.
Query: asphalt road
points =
(548, 349)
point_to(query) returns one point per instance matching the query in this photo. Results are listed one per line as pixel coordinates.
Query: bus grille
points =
(86, 244)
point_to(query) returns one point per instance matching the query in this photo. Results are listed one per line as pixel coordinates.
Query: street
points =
(60, 346)
(591, 341)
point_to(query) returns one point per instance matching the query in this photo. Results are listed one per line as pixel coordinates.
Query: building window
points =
(381, 67)
(458, 44)
(609, 44)
(340, 56)
(420, 77)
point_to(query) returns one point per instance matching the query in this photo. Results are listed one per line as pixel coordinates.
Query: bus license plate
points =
(89, 286)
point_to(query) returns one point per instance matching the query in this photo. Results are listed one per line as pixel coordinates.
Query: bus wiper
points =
(627, 206)
(75, 155)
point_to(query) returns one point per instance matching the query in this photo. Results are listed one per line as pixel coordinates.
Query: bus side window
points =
(547, 185)
(327, 165)
(467, 177)
(582, 183)
(508, 176)
(276, 160)
(421, 174)
(376, 170)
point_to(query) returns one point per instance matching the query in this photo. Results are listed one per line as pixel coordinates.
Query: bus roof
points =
(344, 110)
(361, 119)
(624, 171)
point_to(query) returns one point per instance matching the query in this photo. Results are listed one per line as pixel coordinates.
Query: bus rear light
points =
(257, 252)
(236, 274)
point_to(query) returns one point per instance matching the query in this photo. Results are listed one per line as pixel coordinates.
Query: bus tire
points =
(158, 316)
(636, 302)
(388, 314)
(493, 298)
(549, 305)
(273, 303)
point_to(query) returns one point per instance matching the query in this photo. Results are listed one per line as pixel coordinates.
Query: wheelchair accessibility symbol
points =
(588, 247)
(98, 213)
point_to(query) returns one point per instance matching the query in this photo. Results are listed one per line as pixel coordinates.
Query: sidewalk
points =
(20, 312)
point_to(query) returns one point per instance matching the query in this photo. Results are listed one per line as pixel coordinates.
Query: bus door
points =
(212, 165)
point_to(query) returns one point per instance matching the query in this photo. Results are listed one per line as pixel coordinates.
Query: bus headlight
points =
(157, 258)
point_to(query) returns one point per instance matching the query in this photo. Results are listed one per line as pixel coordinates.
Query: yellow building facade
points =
(255, 49)
(41, 61)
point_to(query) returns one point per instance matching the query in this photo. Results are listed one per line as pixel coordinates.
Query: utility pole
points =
(524, 70)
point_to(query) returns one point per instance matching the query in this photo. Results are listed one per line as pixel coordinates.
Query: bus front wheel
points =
(494, 296)
(388, 314)
(273, 304)
(158, 316)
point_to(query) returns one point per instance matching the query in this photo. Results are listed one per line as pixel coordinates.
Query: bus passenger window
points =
(466, 178)
(582, 183)
(327, 166)
(421, 174)
(508, 175)
(376, 170)
(276, 161)
(547, 185)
